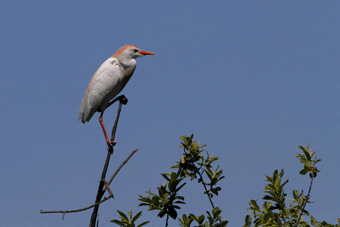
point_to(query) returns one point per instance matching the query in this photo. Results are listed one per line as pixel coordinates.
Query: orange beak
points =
(146, 52)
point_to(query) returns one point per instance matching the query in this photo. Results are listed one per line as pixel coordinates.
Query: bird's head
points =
(128, 52)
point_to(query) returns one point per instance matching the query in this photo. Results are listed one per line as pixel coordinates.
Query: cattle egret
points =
(110, 78)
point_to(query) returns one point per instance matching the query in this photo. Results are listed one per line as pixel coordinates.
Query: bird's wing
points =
(106, 83)
(102, 88)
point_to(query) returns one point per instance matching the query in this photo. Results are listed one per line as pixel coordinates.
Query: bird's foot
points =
(123, 99)
(110, 143)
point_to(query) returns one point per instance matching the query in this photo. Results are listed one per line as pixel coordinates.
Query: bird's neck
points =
(127, 63)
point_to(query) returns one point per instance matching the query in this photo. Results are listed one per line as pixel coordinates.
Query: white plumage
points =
(110, 78)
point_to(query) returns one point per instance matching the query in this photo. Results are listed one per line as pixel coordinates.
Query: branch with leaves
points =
(128, 221)
(275, 211)
(193, 165)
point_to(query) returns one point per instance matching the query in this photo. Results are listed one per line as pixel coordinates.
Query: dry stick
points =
(167, 220)
(121, 165)
(100, 193)
(123, 101)
(74, 211)
(106, 188)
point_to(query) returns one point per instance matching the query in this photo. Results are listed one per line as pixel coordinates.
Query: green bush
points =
(196, 164)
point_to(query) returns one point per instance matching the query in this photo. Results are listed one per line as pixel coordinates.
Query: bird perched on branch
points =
(110, 78)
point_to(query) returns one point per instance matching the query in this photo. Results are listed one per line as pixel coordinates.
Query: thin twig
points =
(310, 188)
(167, 219)
(206, 190)
(201, 178)
(78, 210)
(119, 168)
(306, 200)
(122, 101)
(107, 187)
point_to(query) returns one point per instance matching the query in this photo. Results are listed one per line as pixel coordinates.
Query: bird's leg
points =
(121, 99)
(109, 143)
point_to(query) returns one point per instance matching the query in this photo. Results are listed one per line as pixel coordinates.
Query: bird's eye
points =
(136, 50)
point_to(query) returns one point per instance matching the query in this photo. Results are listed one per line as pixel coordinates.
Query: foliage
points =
(196, 164)
(192, 165)
(166, 199)
(128, 221)
(275, 211)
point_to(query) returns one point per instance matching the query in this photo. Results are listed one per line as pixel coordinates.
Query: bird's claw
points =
(111, 143)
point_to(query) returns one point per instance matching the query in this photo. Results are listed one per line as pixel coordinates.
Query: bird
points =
(108, 81)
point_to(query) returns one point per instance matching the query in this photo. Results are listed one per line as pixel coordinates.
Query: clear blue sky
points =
(252, 80)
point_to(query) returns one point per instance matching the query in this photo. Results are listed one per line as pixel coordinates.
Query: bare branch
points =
(122, 101)
(74, 211)
(107, 187)
(119, 168)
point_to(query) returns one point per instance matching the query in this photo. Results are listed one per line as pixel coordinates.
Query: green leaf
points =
(200, 219)
(313, 220)
(305, 170)
(193, 217)
(142, 224)
(305, 152)
(180, 187)
(296, 194)
(155, 200)
(277, 183)
(216, 212)
(122, 215)
(165, 176)
(180, 202)
(319, 160)
(117, 222)
(311, 154)
(210, 219)
(305, 162)
(172, 213)
(176, 207)
(161, 214)
(253, 203)
(202, 146)
(248, 220)
(183, 159)
(267, 197)
(183, 138)
(136, 217)
(144, 204)
(222, 223)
